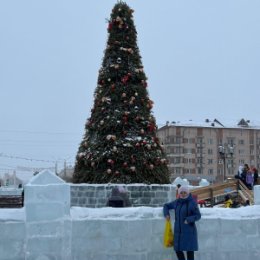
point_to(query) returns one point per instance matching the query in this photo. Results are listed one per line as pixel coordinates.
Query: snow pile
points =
(249, 212)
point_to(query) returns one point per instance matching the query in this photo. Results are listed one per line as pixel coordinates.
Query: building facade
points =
(210, 150)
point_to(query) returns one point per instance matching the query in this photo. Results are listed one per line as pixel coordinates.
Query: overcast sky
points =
(202, 60)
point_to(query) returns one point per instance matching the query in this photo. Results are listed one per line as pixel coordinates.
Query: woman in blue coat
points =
(185, 231)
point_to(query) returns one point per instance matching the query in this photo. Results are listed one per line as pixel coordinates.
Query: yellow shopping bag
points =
(168, 234)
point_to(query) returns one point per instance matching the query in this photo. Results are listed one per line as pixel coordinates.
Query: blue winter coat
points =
(185, 235)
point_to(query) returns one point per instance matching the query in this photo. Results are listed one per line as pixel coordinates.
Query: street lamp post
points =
(224, 153)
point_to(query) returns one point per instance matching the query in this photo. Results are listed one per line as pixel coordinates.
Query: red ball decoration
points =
(110, 25)
(110, 161)
(125, 79)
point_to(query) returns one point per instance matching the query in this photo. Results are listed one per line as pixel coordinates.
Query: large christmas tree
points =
(120, 143)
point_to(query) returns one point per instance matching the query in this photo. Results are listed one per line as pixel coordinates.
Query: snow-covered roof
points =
(217, 123)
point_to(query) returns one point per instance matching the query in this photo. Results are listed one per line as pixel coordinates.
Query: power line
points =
(39, 132)
(24, 158)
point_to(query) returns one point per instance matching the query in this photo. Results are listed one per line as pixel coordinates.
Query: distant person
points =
(119, 198)
(185, 231)
(255, 172)
(116, 199)
(228, 203)
(249, 179)
(177, 194)
(202, 203)
(239, 172)
(244, 173)
(125, 197)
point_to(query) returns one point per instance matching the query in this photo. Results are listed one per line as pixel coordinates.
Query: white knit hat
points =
(184, 188)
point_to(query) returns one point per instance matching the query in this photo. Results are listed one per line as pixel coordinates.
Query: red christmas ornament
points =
(110, 25)
(125, 79)
(110, 161)
(151, 127)
(125, 164)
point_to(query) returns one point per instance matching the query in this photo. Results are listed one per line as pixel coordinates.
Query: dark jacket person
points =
(185, 231)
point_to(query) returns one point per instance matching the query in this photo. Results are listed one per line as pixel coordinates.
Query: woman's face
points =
(183, 194)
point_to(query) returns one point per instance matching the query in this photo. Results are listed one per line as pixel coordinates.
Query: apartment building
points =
(212, 150)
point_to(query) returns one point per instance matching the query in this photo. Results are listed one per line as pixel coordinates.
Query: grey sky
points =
(202, 60)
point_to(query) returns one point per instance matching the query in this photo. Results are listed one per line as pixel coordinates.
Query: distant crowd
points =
(248, 175)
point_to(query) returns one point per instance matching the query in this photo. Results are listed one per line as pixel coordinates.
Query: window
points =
(210, 161)
(191, 140)
(199, 150)
(178, 140)
(177, 170)
(241, 162)
(210, 141)
(210, 171)
(231, 141)
(210, 151)
(187, 170)
(199, 170)
(199, 160)
(189, 150)
(241, 142)
(220, 171)
(177, 160)
(199, 140)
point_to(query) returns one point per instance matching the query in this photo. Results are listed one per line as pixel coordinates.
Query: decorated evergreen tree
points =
(120, 143)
